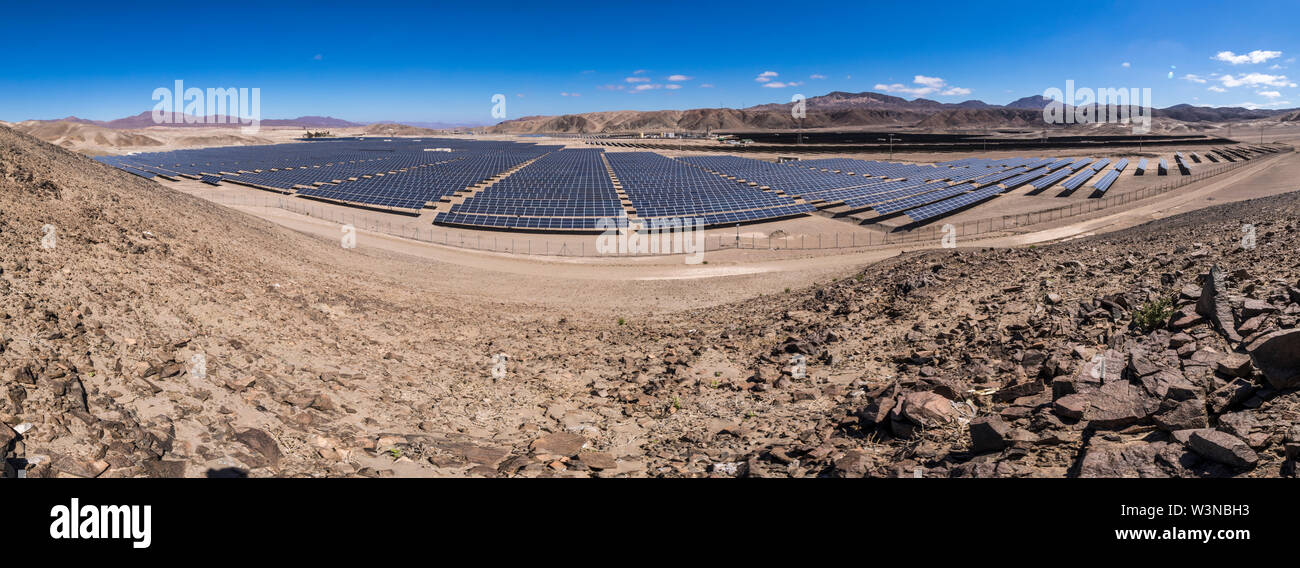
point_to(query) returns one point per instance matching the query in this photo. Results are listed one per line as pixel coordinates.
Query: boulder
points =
(927, 409)
(988, 433)
(1224, 448)
(1185, 415)
(1214, 304)
(1277, 356)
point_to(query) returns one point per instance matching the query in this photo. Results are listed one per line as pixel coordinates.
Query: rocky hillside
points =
(1167, 350)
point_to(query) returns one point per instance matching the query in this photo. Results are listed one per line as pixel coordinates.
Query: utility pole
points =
(891, 141)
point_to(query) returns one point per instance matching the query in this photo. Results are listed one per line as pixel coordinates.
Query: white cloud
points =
(706, 86)
(1194, 78)
(1218, 89)
(611, 87)
(1253, 106)
(1256, 80)
(782, 85)
(1256, 56)
(816, 76)
(639, 72)
(570, 94)
(672, 86)
(1126, 64)
(928, 86)
(637, 79)
(1270, 94)
(678, 78)
(765, 76)
(932, 82)
(647, 87)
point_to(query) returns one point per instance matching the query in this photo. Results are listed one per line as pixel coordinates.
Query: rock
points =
(1253, 308)
(988, 433)
(1022, 389)
(853, 464)
(1180, 339)
(7, 437)
(1185, 415)
(1277, 356)
(559, 444)
(598, 460)
(1113, 459)
(927, 409)
(1071, 406)
(1118, 404)
(1235, 365)
(1239, 390)
(1214, 304)
(262, 443)
(878, 411)
(1223, 447)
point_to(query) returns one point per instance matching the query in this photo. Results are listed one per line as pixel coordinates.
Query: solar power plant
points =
(1100, 164)
(1105, 182)
(1120, 165)
(1195, 157)
(1079, 179)
(1225, 155)
(211, 180)
(1163, 170)
(937, 209)
(661, 187)
(1141, 168)
(1210, 156)
(568, 189)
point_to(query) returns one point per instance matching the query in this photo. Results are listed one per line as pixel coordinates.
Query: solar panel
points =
(947, 206)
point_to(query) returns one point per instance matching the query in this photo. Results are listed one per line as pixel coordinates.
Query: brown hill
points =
(81, 135)
(394, 129)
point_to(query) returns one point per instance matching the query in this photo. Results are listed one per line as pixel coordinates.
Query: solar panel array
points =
(947, 206)
(567, 190)
(529, 186)
(1079, 179)
(660, 187)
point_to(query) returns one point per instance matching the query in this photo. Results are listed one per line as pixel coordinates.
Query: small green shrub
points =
(1154, 314)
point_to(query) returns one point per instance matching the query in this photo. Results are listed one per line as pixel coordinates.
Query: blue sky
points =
(428, 61)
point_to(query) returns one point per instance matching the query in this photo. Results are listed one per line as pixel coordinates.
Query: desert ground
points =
(175, 329)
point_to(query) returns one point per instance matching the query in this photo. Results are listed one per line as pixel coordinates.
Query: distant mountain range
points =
(145, 120)
(841, 109)
(837, 109)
